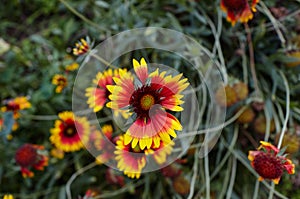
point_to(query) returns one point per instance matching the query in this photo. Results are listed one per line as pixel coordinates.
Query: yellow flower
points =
(60, 81)
(57, 153)
(72, 67)
(8, 196)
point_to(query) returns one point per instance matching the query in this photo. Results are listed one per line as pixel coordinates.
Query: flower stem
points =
(252, 62)
(287, 89)
(75, 12)
(75, 175)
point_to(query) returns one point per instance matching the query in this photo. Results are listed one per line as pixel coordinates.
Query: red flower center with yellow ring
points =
(268, 166)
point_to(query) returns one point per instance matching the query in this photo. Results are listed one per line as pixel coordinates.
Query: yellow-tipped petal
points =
(276, 181)
(127, 139)
(134, 142)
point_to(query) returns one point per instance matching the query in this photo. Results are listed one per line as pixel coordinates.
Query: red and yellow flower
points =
(130, 160)
(147, 98)
(70, 132)
(98, 93)
(15, 105)
(60, 81)
(28, 156)
(268, 163)
(81, 47)
(238, 10)
(103, 143)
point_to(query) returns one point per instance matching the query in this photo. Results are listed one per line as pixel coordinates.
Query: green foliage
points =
(38, 39)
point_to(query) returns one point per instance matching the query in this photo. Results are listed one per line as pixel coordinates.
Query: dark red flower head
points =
(269, 164)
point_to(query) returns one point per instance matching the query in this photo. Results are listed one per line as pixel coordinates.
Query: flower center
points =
(13, 107)
(235, 5)
(143, 98)
(26, 155)
(70, 130)
(61, 81)
(147, 101)
(268, 166)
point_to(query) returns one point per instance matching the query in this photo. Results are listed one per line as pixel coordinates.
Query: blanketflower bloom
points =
(82, 47)
(60, 81)
(238, 10)
(98, 93)
(15, 105)
(103, 143)
(72, 67)
(70, 132)
(130, 163)
(132, 160)
(28, 156)
(8, 196)
(268, 163)
(147, 98)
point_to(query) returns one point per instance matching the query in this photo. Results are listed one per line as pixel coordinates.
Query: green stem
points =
(75, 12)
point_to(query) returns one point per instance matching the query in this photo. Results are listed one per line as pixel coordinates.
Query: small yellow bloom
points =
(8, 196)
(57, 153)
(72, 67)
(60, 81)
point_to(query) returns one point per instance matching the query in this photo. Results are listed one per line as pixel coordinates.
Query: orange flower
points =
(238, 10)
(28, 156)
(268, 163)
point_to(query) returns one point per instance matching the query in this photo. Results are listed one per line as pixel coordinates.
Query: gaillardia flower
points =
(147, 98)
(268, 163)
(70, 132)
(28, 156)
(15, 105)
(130, 160)
(238, 10)
(103, 143)
(82, 47)
(60, 81)
(98, 93)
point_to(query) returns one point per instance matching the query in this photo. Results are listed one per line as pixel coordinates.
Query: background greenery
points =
(41, 35)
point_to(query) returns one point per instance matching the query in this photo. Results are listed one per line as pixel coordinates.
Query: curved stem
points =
(287, 109)
(75, 12)
(75, 175)
(252, 61)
